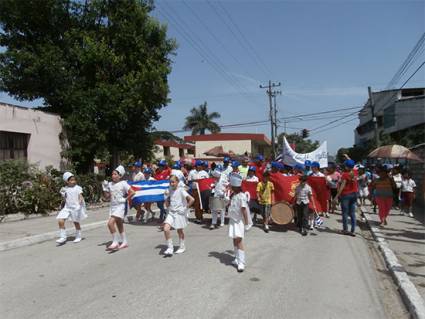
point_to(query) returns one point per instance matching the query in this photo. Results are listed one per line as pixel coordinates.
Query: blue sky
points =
(325, 54)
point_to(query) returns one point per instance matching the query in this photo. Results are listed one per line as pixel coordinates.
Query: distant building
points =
(173, 150)
(31, 135)
(396, 111)
(235, 143)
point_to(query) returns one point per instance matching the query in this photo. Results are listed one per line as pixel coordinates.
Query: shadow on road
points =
(224, 258)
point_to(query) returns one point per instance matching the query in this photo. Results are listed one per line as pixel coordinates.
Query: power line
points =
(335, 126)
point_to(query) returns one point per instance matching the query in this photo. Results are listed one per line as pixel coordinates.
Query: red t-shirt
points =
(162, 175)
(260, 170)
(350, 183)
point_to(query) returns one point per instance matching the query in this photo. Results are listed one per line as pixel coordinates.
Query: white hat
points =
(121, 170)
(236, 180)
(216, 173)
(67, 176)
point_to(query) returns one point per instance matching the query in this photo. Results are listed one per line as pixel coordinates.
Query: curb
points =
(36, 239)
(410, 295)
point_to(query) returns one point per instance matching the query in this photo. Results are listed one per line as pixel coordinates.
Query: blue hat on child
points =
(315, 164)
(176, 165)
(162, 163)
(307, 163)
(349, 163)
(226, 159)
(235, 164)
(275, 165)
(299, 167)
(198, 163)
(260, 157)
(252, 168)
(137, 164)
(147, 170)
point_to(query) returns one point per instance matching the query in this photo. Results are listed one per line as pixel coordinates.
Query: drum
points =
(216, 203)
(282, 213)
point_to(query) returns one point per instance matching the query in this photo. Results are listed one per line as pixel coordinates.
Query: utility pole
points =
(374, 120)
(275, 93)
(270, 93)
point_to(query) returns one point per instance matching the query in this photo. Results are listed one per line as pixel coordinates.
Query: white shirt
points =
(228, 170)
(178, 202)
(408, 185)
(317, 174)
(139, 176)
(252, 179)
(118, 192)
(221, 186)
(202, 174)
(192, 175)
(237, 202)
(179, 174)
(397, 180)
(72, 196)
(302, 193)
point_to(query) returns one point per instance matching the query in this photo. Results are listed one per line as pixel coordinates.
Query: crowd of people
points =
(351, 185)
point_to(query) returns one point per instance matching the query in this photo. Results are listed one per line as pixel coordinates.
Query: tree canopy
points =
(200, 120)
(102, 65)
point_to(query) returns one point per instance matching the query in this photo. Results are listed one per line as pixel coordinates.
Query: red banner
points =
(284, 187)
(205, 184)
(320, 193)
(251, 188)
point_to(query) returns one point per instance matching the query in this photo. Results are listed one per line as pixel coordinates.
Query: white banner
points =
(290, 157)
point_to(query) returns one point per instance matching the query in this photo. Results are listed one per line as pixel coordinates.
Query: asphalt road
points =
(323, 275)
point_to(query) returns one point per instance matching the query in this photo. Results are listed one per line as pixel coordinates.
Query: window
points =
(13, 145)
(389, 116)
(167, 151)
(181, 152)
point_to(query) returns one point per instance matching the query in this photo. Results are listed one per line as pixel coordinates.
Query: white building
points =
(396, 111)
(31, 135)
(173, 150)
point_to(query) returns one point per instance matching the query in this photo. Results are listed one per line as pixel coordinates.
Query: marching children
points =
(265, 195)
(238, 220)
(117, 192)
(73, 209)
(178, 203)
(408, 188)
(253, 203)
(303, 196)
(218, 205)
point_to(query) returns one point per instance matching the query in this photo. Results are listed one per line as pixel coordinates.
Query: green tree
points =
(302, 145)
(199, 120)
(102, 65)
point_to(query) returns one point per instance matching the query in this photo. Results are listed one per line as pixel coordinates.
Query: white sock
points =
(62, 233)
(115, 238)
(78, 234)
(124, 238)
(214, 217)
(236, 252)
(182, 243)
(222, 216)
(170, 243)
(241, 256)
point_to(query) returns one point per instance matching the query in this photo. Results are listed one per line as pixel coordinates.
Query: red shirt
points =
(350, 183)
(162, 174)
(260, 170)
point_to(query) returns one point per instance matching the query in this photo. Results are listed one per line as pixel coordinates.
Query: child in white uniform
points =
(73, 209)
(218, 201)
(178, 203)
(238, 220)
(117, 192)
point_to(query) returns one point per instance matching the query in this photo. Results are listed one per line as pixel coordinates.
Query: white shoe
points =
(327, 215)
(221, 225)
(311, 227)
(181, 250)
(241, 267)
(212, 227)
(169, 251)
(77, 240)
(61, 240)
(410, 215)
(235, 262)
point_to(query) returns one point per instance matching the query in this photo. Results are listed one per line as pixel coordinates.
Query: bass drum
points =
(282, 213)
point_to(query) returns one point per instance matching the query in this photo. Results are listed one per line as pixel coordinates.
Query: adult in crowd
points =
(384, 188)
(243, 168)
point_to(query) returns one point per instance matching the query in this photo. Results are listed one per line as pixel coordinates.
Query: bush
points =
(26, 189)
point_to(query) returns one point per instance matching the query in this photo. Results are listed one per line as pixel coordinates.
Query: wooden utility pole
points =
(271, 93)
(375, 122)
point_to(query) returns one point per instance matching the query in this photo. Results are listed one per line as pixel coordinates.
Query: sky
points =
(324, 53)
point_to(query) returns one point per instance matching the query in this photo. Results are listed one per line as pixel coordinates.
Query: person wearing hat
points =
(243, 168)
(303, 196)
(260, 166)
(307, 167)
(227, 168)
(384, 191)
(363, 181)
(275, 166)
(315, 170)
(298, 169)
(218, 197)
(73, 209)
(332, 179)
(238, 221)
(117, 191)
(198, 173)
(163, 172)
(286, 170)
(265, 196)
(176, 171)
(147, 172)
(253, 204)
(347, 193)
(137, 174)
(408, 192)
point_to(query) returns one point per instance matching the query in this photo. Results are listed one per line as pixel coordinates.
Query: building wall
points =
(174, 153)
(238, 147)
(44, 146)
(417, 170)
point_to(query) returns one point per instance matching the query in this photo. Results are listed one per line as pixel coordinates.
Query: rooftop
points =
(228, 137)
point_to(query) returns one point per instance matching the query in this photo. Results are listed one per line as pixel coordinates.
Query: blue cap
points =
(205, 163)
(147, 170)
(162, 163)
(235, 164)
(260, 157)
(226, 159)
(349, 163)
(137, 164)
(198, 163)
(252, 168)
(176, 165)
(299, 167)
(219, 167)
(307, 163)
(315, 164)
(275, 165)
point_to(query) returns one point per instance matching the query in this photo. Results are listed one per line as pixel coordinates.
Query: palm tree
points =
(199, 120)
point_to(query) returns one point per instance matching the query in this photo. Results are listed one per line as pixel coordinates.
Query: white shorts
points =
(76, 215)
(217, 203)
(364, 192)
(236, 229)
(177, 221)
(117, 211)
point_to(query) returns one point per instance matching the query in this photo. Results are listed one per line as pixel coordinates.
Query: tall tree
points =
(102, 65)
(199, 120)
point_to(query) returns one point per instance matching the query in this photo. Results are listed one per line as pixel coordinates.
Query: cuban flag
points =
(318, 220)
(148, 191)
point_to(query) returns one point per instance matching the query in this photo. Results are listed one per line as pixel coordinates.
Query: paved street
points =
(325, 275)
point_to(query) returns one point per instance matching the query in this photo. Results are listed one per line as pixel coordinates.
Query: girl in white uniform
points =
(178, 203)
(117, 192)
(238, 220)
(73, 209)
(218, 200)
